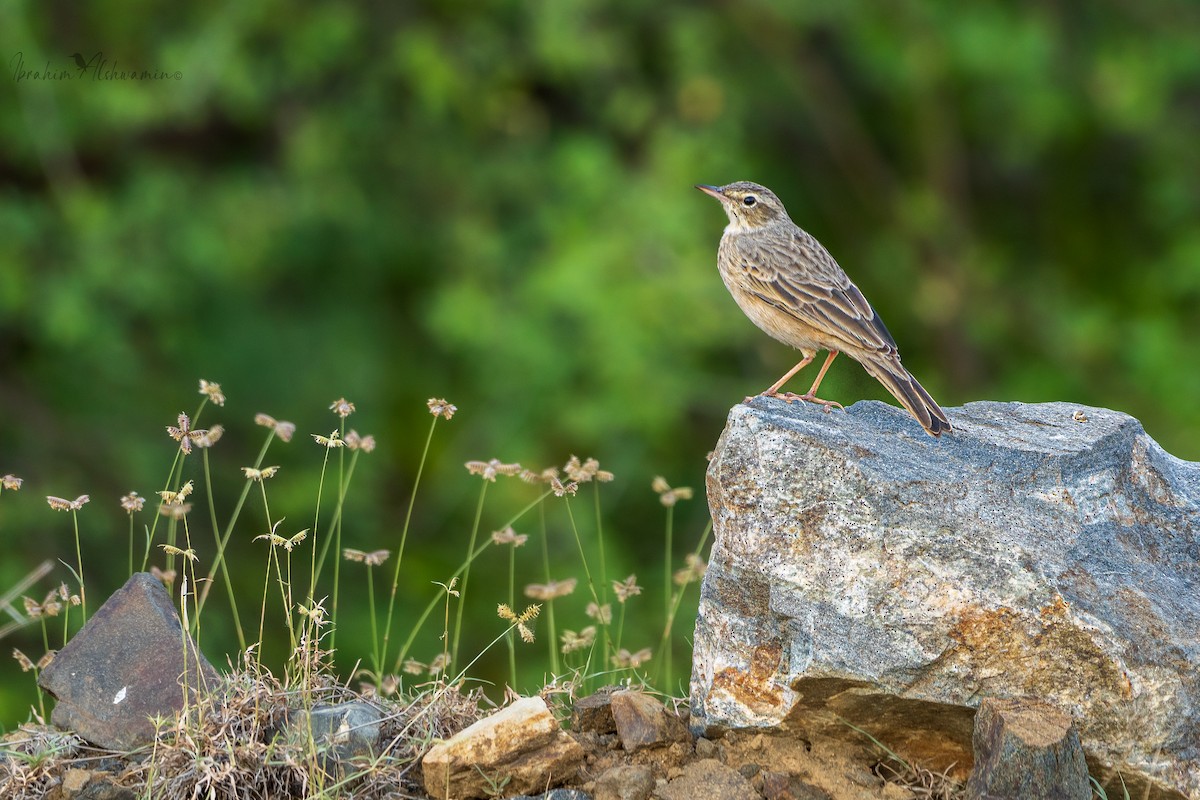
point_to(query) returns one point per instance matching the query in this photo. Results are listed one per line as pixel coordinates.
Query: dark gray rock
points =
(643, 721)
(556, 794)
(865, 573)
(707, 748)
(594, 712)
(124, 666)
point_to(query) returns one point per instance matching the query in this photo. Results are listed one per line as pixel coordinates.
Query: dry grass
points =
(923, 783)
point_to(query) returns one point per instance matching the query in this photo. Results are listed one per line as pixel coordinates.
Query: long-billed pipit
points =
(789, 285)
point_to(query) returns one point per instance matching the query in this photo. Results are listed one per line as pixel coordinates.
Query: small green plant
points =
(1098, 788)
(493, 784)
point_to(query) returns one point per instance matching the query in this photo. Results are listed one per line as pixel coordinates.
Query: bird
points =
(789, 285)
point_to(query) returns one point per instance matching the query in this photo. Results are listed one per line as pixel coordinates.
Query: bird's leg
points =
(811, 395)
(774, 390)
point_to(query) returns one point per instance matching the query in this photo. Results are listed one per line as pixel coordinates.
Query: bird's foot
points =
(809, 398)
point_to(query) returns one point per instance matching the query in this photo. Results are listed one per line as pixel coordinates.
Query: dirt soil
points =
(811, 767)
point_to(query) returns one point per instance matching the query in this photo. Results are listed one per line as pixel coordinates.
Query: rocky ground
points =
(643, 751)
(633, 747)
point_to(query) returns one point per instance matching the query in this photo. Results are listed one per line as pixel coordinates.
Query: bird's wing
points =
(797, 275)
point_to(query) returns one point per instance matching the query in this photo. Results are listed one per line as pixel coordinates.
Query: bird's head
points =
(748, 205)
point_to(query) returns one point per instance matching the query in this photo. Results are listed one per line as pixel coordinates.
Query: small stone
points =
(786, 786)
(341, 731)
(1026, 748)
(709, 779)
(98, 789)
(519, 747)
(73, 781)
(125, 666)
(706, 748)
(556, 794)
(634, 782)
(642, 721)
(594, 712)
(749, 770)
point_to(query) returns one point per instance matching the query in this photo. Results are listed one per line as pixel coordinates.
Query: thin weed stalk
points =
(387, 625)
(343, 485)
(603, 565)
(68, 600)
(371, 560)
(374, 625)
(620, 629)
(553, 643)
(131, 544)
(665, 646)
(66, 619)
(512, 602)
(604, 626)
(219, 560)
(449, 590)
(677, 598)
(467, 571)
(312, 580)
(79, 561)
(262, 614)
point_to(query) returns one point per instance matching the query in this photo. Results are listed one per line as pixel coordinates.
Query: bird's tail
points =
(912, 395)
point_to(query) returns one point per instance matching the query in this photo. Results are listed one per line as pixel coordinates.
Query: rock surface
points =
(518, 749)
(865, 573)
(124, 666)
(1026, 748)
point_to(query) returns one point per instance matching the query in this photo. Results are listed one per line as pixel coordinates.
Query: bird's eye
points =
(749, 200)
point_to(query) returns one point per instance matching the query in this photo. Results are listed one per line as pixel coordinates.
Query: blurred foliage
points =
(492, 202)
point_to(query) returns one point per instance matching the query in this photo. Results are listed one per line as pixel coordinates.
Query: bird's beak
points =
(714, 191)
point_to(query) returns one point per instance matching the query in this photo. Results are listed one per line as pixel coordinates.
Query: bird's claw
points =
(788, 397)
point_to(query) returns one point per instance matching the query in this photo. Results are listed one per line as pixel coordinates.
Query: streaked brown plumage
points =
(789, 285)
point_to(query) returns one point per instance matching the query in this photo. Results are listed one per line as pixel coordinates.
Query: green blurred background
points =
(492, 202)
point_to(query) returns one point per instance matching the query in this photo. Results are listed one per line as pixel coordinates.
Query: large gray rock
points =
(866, 575)
(125, 666)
